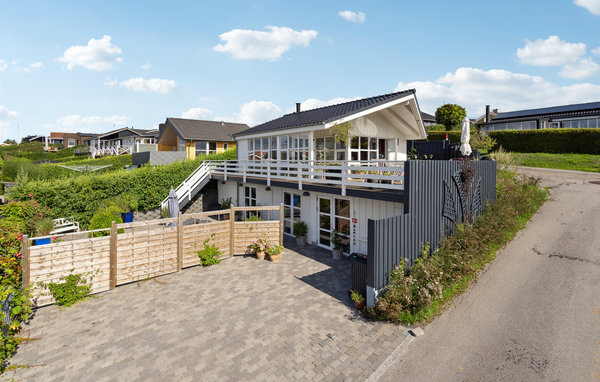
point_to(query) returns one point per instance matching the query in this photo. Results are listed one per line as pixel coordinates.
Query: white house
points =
(295, 160)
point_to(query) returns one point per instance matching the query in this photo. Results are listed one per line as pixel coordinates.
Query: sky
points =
(92, 66)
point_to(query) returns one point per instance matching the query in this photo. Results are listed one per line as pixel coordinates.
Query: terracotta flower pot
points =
(360, 305)
(260, 255)
(274, 257)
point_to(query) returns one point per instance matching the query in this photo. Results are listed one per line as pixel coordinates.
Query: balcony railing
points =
(382, 174)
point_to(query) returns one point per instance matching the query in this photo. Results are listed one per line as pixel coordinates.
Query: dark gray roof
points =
(196, 129)
(550, 112)
(427, 117)
(325, 114)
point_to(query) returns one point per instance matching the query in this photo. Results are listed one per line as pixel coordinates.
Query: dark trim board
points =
(396, 196)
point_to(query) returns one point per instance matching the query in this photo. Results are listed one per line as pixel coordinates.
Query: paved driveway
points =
(243, 319)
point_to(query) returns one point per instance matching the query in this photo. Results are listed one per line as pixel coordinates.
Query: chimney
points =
(298, 107)
(487, 113)
(223, 123)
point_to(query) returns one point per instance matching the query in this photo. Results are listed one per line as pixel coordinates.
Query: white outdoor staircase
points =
(191, 186)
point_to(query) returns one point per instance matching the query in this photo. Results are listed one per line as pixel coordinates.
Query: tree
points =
(451, 116)
(10, 142)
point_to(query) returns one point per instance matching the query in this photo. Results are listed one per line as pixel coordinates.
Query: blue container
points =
(42, 241)
(127, 217)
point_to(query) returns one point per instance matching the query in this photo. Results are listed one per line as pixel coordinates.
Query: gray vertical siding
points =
(402, 237)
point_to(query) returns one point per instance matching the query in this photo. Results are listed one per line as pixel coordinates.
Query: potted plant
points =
(336, 240)
(43, 227)
(300, 230)
(259, 247)
(274, 252)
(359, 300)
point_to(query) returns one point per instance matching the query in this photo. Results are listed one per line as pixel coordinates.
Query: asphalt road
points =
(534, 314)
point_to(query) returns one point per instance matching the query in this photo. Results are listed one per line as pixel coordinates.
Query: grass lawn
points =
(579, 162)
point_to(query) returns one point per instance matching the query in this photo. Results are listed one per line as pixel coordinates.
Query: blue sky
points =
(89, 66)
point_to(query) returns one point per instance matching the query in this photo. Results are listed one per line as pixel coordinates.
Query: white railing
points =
(62, 225)
(110, 150)
(374, 173)
(191, 182)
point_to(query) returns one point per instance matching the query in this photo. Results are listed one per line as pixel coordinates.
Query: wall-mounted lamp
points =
(268, 188)
(306, 193)
(239, 184)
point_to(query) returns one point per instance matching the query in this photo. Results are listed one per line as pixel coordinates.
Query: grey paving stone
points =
(243, 319)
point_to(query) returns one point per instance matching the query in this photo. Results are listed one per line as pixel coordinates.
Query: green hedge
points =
(81, 196)
(453, 136)
(584, 141)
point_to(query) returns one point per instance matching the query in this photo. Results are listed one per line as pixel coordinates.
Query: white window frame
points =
(292, 208)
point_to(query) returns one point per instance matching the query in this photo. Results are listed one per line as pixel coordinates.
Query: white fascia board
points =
(369, 111)
(270, 133)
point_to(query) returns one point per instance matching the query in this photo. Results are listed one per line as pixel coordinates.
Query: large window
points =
(283, 147)
(212, 147)
(334, 215)
(327, 149)
(181, 145)
(200, 147)
(364, 148)
(71, 142)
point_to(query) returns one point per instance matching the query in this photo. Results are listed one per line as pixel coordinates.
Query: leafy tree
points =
(450, 116)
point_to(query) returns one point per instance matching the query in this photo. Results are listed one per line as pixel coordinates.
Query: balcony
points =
(374, 179)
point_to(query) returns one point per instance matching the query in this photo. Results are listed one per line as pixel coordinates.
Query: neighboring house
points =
(123, 140)
(486, 117)
(427, 119)
(197, 136)
(296, 161)
(583, 115)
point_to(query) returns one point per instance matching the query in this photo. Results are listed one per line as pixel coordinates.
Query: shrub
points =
(103, 218)
(44, 226)
(418, 293)
(210, 254)
(584, 141)
(453, 136)
(72, 289)
(81, 196)
(436, 127)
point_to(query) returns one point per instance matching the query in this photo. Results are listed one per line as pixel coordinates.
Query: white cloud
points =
(474, 88)
(593, 6)
(3, 65)
(197, 113)
(246, 44)
(255, 112)
(6, 114)
(146, 66)
(30, 67)
(550, 52)
(582, 69)
(596, 51)
(152, 85)
(96, 55)
(353, 17)
(110, 82)
(78, 120)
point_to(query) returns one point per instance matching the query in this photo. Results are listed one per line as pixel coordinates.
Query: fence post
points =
(281, 224)
(179, 242)
(231, 231)
(25, 265)
(113, 256)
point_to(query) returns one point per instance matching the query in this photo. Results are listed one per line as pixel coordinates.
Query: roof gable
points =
(325, 114)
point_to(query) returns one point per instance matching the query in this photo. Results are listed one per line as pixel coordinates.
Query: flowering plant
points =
(261, 244)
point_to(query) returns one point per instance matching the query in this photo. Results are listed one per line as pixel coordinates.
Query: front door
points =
(292, 211)
(334, 214)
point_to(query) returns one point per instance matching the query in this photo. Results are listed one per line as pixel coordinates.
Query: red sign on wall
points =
(354, 220)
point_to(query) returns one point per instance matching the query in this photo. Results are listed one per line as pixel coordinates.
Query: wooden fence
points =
(140, 250)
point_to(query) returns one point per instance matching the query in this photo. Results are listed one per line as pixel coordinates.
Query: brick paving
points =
(244, 319)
